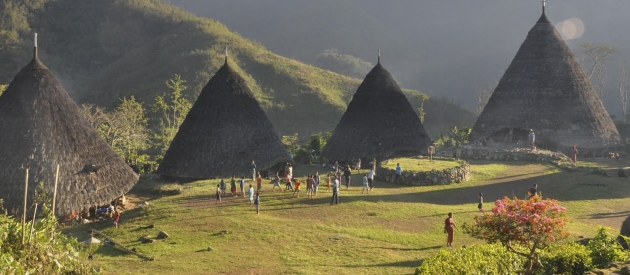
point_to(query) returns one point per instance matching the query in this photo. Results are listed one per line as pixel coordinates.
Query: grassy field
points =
(388, 231)
(421, 165)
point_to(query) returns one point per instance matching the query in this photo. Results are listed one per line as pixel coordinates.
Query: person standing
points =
(276, 182)
(223, 187)
(398, 173)
(309, 186)
(328, 183)
(242, 185)
(532, 139)
(116, 218)
(347, 173)
(253, 170)
(316, 179)
(370, 178)
(338, 175)
(574, 153)
(449, 226)
(480, 205)
(258, 182)
(335, 196)
(233, 186)
(218, 194)
(358, 167)
(257, 203)
(297, 187)
(251, 194)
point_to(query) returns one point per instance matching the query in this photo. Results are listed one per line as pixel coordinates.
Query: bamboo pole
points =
(25, 199)
(55, 190)
(32, 224)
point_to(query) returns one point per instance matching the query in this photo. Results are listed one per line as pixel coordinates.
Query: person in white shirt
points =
(335, 197)
(370, 177)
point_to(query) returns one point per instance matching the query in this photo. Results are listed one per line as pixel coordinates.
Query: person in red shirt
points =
(258, 182)
(449, 226)
(116, 218)
(297, 187)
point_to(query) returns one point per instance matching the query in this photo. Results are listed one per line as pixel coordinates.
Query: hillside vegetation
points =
(108, 49)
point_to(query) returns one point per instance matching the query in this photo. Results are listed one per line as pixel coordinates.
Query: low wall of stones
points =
(489, 153)
(434, 177)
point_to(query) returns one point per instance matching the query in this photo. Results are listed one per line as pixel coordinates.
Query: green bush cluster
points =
(44, 251)
(605, 249)
(560, 259)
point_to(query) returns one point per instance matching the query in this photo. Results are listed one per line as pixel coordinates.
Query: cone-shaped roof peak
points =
(543, 18)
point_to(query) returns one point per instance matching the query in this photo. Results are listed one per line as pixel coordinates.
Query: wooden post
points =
(32, 223)
(25, 199)
(55, 190)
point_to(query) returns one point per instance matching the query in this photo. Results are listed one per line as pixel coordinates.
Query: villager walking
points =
(335, 196)
(276, 183)
(398, 173)
(370, 176)
(449, 226)
(366, 187)
(480, 205)
(253, 166)
(532, 139)
(347, 173)
(218, 194)
(574, 153)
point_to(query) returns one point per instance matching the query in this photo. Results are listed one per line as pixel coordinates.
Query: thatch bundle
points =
(546, 90)
(223, 132)
(40, 128)
(378, 123)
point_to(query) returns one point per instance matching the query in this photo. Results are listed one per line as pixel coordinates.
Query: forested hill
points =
(102, 50)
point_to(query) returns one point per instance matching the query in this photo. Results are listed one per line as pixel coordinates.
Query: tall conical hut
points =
(378, 123)
(546, 90)
(40, 128)
(223, 133)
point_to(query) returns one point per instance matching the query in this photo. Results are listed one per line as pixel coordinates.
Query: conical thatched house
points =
(40, 128)
(546, 90)
(378, 123)
(223, 132)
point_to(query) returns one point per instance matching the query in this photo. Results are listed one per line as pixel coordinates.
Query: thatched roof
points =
(546, 90)
(223, 132)
(40, 128)
(378, 123)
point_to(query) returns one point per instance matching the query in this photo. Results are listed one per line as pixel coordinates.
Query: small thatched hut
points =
(546, 90)
(223, 132)
(378, 123)
(40, 128)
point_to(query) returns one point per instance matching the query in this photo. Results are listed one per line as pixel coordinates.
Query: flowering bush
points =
(524, 227)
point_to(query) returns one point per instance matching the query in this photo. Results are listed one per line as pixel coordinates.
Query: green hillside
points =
(102, 50)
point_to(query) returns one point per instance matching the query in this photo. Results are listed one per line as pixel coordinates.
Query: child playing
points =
(257, 203)
(218, 194)
(297, 187)
(116, 218)
(309, 187)
(233, 186)
(223, 187)
(276, 183)
(366, 187)
(328, 183)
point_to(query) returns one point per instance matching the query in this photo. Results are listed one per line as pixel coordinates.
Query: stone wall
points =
(491, 153)
(434, 177)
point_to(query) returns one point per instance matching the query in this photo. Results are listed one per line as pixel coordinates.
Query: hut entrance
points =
(511, 135)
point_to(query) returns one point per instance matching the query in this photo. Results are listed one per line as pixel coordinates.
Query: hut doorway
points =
(511, 135)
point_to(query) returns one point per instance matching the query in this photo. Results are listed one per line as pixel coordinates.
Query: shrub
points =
(605, 249)
(476, 259)
(565, 259)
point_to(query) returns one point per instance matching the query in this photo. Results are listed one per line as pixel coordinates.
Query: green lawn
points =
(421, 165)
(388, 231)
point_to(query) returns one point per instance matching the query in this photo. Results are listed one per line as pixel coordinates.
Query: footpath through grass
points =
(388, 231)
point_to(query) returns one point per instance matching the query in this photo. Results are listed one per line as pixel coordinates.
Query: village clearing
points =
(388, 231)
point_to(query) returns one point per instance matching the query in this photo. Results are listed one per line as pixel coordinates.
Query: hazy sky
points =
(444, 48)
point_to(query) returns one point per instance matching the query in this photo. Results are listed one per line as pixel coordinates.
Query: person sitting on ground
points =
(534, 190)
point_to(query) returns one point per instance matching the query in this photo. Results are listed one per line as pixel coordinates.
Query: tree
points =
(594, 57)
(171, 109)
(422, 98)
(524, 227)
(623, 90)
(483, 95)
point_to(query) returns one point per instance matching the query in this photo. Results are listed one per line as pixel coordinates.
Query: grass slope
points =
(388, 231)
(103, 50)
